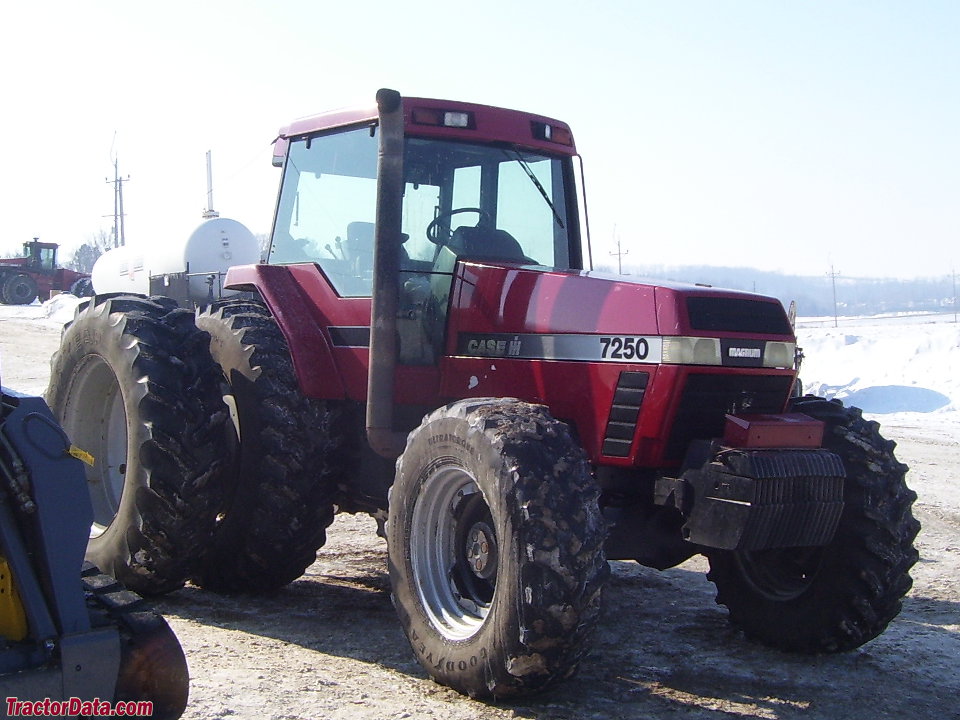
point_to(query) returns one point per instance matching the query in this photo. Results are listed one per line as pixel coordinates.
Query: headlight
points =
(691, 351)
(708, 351)
(779, 355)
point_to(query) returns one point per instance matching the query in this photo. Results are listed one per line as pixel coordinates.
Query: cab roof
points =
(425, 117)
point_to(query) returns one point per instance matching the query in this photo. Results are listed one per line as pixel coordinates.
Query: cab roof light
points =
(443, 118)
(551, 133)
(457, 119)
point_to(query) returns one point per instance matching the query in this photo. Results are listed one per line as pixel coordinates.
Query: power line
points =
(119, 235)
(619, 253)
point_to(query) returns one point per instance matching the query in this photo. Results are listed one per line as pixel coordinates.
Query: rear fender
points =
(313, 363)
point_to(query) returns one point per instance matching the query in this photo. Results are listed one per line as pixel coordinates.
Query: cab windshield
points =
(482, 202)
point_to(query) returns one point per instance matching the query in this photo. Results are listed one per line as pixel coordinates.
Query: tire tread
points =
(862, 590)
(154, 345)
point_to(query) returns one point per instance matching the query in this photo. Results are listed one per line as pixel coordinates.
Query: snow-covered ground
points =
(28, 336)
(902, 370)
(888, 365)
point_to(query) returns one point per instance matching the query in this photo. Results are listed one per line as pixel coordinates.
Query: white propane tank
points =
(216, 245)
(120, 269)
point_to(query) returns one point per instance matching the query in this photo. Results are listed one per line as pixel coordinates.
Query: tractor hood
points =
(523, 299)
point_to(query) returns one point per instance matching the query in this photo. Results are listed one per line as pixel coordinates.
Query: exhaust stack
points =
(382, 437)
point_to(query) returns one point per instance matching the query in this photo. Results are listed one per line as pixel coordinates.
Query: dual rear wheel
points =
(136, 387)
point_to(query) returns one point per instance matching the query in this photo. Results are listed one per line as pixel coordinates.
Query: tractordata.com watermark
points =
(76, 706)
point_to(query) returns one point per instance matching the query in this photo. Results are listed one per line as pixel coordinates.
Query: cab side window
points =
(327, 208)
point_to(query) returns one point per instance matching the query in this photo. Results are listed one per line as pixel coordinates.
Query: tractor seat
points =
(359, 247)
(486, 243)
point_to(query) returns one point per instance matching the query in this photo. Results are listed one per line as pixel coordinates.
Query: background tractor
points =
(427, 344)
(36, 274)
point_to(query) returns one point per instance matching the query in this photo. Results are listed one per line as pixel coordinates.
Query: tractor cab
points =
(463, 197)
(41, 257)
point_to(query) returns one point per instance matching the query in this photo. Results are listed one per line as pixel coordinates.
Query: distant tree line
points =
(814, 295)
(86, 255)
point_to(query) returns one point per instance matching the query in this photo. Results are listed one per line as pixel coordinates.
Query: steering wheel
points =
(435, 227)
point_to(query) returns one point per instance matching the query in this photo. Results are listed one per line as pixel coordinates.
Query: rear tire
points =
(19, 289)
(82, 287)
(290, 457)
(838, 597)
(133, 385)
(496, 547)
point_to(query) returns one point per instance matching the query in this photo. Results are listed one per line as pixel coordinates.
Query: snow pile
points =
(61, 308)
(884, 365)
(58, 309)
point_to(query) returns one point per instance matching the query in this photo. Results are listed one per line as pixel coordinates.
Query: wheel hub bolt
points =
(481, 551)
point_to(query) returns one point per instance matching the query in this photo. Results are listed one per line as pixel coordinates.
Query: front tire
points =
(837, 597)
(496, 547)
(134, 386)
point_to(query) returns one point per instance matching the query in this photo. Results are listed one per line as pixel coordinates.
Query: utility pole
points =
(619, 253)
(953, 272)
(833, 279)
(119, 235)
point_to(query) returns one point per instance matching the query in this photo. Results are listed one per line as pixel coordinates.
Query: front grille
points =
(720, 314)
(624, 413)
(708, 398)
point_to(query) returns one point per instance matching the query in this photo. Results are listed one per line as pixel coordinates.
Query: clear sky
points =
(781, 135)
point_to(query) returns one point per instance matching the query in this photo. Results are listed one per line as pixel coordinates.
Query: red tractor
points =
(425, 343)
(24, 279)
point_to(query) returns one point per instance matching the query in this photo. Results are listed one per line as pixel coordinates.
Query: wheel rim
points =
(96, 421)
(780, 573)
(454, 552)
